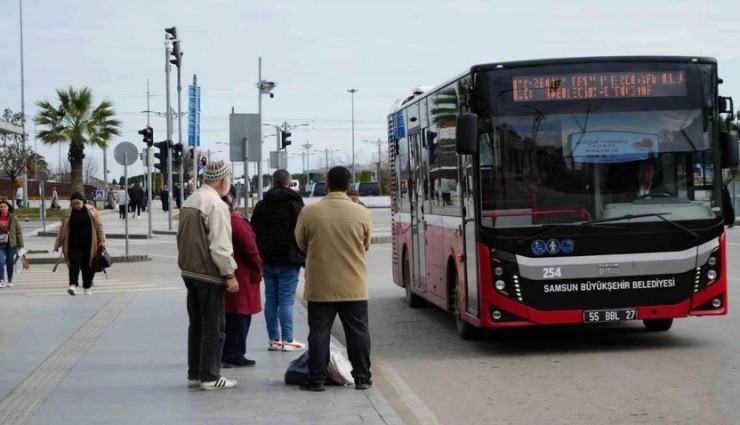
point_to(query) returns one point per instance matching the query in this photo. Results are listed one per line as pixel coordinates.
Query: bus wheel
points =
(658, 325)
(465, 330)
(412, 300)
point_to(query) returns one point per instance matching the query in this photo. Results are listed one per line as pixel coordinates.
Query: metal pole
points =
(179, 128)
(148, 189)
(125, 178)
(148, 110)
(42, 207)
(23, 111)
(246, 177)
(105, 175)
(259, 112)
(167, 47)
(195, 144)
(379, 164)
(352, 92)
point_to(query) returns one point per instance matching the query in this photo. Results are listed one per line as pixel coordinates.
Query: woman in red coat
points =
(241, 305)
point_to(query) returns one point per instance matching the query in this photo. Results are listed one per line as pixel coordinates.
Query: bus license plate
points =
(597, 316)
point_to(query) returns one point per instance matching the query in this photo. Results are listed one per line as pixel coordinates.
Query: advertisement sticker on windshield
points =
(607, 147)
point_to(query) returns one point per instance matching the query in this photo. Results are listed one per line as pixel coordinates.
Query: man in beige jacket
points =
(335, 233)
(206, 260)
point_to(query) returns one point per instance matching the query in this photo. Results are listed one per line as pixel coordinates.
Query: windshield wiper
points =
(563, 226)
(597, 223)
(659, 215)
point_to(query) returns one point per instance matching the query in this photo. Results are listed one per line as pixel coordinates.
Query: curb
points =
(116, 259)
(165, 232)
(107, 235)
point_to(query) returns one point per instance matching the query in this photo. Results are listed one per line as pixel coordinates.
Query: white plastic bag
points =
(339, 369)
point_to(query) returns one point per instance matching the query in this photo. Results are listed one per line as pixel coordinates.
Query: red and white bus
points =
(563, 191)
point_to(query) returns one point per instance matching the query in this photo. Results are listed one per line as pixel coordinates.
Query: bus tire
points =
(412, 300)
(658, 325)
(465, 330)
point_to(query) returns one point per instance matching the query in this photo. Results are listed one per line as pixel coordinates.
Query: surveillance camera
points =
(272, 95)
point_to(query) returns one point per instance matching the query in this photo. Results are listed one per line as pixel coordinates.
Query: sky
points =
(316, 51)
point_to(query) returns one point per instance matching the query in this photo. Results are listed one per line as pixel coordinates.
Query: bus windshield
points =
(584, 142)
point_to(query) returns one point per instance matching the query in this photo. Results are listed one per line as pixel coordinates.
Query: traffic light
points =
(147, 136)
(162, 156)
(285, 135)
(177, 154)
(176, 53)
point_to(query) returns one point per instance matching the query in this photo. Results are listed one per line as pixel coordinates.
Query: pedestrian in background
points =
(136, 200)
(19, 197)
(54, 198)
(177, 194)
(122, 201)
(164, 195)
(11, 240)
(206, 260)
(240, 306)
(81, 237)
(335, 233)
(274, 220)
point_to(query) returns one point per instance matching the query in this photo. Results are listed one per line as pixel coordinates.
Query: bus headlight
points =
(499, 271)
(500, 285)
(712, 261)
(711, 275)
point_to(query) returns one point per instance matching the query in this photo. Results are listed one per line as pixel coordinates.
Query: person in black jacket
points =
(136, 198)
(274, 220)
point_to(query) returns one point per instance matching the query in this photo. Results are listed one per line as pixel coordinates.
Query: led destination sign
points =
(607, 85)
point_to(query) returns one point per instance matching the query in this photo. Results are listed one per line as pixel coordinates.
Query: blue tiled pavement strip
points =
(120, 357)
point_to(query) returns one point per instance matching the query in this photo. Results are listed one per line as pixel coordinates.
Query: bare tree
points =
(91, 168)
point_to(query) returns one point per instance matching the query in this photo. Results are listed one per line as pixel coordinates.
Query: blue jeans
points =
(281, 283)
(7, 257)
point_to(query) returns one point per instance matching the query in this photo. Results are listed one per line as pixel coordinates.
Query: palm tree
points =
(78, 122)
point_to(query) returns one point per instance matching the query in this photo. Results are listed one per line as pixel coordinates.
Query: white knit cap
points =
(215, 171)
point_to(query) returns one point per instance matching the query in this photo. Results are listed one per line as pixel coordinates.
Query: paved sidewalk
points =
(120, 358)
(138, 228)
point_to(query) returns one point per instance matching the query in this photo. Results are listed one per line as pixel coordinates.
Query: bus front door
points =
(418, 225)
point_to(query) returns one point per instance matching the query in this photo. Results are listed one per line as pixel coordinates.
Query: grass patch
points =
(34, 213)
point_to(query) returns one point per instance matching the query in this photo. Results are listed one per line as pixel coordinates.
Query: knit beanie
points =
(215, 171)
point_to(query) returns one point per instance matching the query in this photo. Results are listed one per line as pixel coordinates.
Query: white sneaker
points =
(221, 384)
(72, 290)
(274, 345)
(88, 291)
(293, 346)
(193, 383)
(9, 284)
(2, 284)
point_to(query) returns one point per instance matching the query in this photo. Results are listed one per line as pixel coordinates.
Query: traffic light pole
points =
(148, 188)
(167, 68)
(179, 131)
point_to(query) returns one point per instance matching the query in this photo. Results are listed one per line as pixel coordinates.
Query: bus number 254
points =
(551, 272)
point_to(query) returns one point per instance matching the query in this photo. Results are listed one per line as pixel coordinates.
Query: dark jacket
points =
(274, 220)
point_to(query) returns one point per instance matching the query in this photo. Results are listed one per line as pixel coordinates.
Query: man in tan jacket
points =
(206, 260)
(335, 233)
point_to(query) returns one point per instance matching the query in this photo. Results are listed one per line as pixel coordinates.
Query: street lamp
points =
(263, 87)
(352, 93)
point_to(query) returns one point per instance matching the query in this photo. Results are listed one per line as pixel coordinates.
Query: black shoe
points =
(363, 383)
(312, 386)
(241, 363)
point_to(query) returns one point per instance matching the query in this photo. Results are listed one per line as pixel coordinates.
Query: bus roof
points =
(423, 91)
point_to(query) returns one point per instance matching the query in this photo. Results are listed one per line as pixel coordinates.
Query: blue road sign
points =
(193, 115)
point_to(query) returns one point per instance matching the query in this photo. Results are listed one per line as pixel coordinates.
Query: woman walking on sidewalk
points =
(80, 236)
(240, 306)
(11, 239)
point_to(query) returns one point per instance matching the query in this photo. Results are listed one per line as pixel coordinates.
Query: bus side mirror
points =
(466, 134)
(729, 146)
